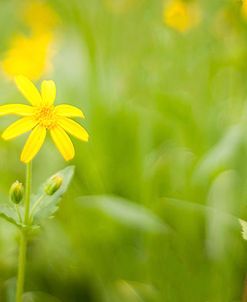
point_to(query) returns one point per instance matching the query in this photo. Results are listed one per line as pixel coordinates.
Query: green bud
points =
(53, 184)
(16, 192)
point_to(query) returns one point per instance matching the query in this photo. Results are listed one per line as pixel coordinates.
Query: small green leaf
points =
(8, 213)
(125, 212)
(244, 228)
(48, 204)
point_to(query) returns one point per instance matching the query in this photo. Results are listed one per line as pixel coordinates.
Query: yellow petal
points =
(33, 144)
(63, 142)
(69, 111)
(19, 127)
(73, 128)
(17, 109)
(28, 90)
(48, 92)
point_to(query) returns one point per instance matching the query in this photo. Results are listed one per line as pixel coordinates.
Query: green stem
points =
(28, 192)
(21, 266)
(23, 237)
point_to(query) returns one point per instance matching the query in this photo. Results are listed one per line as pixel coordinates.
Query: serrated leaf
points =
(8, 213)
(125, 212)
(243, 224)
(49, 204)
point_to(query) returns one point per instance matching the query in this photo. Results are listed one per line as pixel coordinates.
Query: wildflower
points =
(16, 192)
(41, 117)
(181, 16)
(28, 55)
(244, 9)
(31, 55)
(39, 16)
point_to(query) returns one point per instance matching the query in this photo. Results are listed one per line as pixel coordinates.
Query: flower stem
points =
(28, 192)
(21, 266)
(23, 237)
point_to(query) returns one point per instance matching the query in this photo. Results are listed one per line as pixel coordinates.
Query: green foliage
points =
(164, 173)
(43, 206)
(126, 212)
(48, 205)
(8, 212)
(38, 297)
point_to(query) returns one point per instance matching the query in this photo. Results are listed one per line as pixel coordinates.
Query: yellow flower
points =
(39, 16)
(41, 117)
(244, 9)
(29, 56)
(180, 15)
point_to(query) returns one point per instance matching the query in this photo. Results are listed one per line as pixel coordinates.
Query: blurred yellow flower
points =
(244, 9)
(43, 116)
(181, 15)
(29, 56)
(39, 17)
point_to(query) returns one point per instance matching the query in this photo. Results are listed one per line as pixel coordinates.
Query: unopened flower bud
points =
(53, 184)
(16, 192)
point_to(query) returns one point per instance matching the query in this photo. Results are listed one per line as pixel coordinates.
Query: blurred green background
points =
(152, 212)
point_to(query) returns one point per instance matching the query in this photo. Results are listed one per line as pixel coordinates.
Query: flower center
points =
(46, 117)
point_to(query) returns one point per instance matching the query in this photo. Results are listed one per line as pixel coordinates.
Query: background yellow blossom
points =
(31, 53)
(181, 15)
(30, 56)
(39, 16)
(244, 9)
